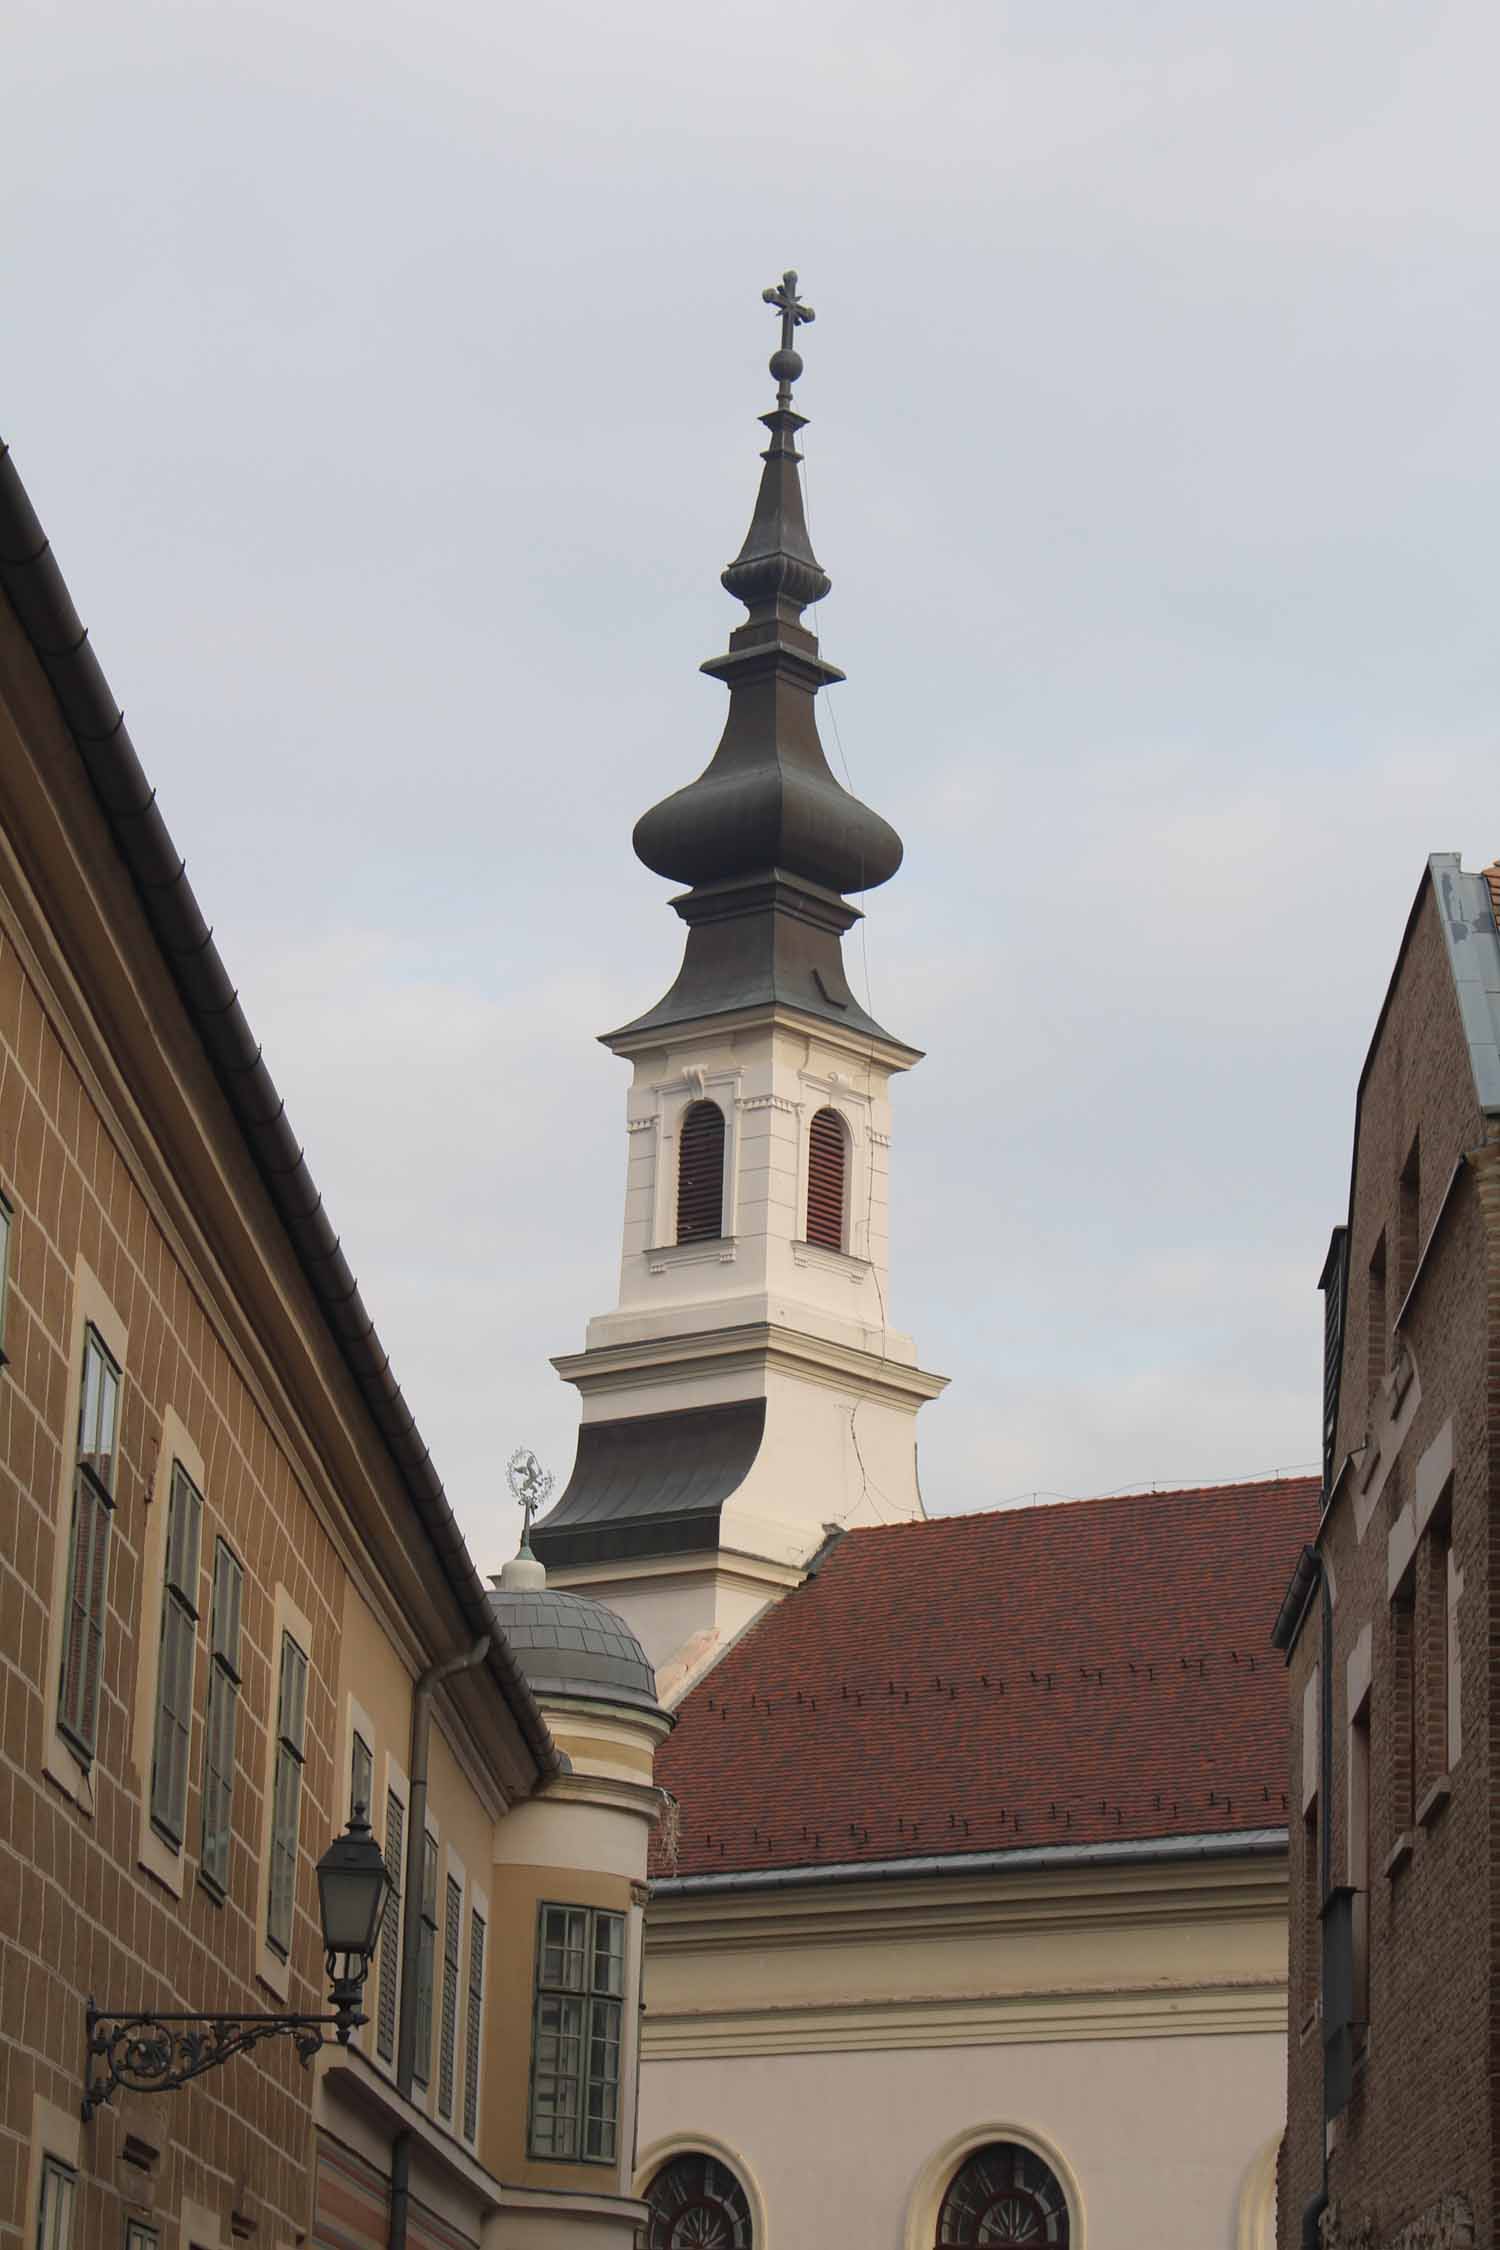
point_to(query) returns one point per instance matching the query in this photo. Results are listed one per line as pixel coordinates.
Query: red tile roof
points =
(1090, 1672)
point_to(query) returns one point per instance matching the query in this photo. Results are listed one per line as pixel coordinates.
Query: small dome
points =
(572, 1648)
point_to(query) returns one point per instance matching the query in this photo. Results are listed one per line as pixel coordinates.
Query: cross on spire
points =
(786, 364)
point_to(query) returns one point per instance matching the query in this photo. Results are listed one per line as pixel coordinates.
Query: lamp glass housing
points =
(353, 1887)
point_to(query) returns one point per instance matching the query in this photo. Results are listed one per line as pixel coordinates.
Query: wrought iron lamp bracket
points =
(156, 2051)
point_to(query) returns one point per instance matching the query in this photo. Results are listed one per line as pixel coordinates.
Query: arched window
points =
(827, 1166)
(696, 2203)
(1004, 2194)
(700, 1173)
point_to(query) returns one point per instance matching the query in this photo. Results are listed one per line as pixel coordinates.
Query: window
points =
(696, 2199)
(575, 2055)
(700, 1173)
(426, 1948)
(361, 1778)
(1408, 1233)
(448, 2036)
(1434, 1565)
(54, 2217)
(179, 1646)
(1403, 1744)
(138, 2236)
(220, 1720)
(390, 1929)
(1003, 2194)
(1359, 1860)
(6, 1218)
(1333, 1283)
(88, 1548)
(1375, 1341)
(286, 1803)
(474, 2026)
(827, 1150)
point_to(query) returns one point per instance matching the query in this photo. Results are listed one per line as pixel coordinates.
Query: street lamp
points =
(156, 2052)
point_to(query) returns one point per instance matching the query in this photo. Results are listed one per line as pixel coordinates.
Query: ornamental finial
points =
(786, 364)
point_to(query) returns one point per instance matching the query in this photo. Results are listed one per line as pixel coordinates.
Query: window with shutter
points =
(390, 1929)
(179, 1646)
(88, 1551)
(827, 1151)
(426, 1949)
(286, 1803)
(361, 1779)
(700, 1173)
(221, 1718)
(448, 2032)
(474, 2026)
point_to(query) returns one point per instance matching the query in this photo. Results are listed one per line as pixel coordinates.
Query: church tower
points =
(747, 1394)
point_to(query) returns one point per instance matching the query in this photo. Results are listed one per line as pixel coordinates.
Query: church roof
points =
(1095, 1672)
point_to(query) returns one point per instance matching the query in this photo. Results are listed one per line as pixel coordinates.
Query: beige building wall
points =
(844, 2046)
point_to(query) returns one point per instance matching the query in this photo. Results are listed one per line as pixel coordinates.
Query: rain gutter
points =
(29, 576)
(1247, 1843)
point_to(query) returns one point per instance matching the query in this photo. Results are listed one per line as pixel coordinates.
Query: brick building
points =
(234, 1602)
(1388, 1631)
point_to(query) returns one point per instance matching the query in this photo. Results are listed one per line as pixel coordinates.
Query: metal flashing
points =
(651, 1484)
(1245, 1843)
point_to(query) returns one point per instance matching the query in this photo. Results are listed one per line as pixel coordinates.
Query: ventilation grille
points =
(700, 1173)
(825, 1180)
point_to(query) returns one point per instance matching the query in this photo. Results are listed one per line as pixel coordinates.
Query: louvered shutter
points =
(825, 1180)
(474, 2025)
(700, 1173)
(448, 2030)
(390, 1929)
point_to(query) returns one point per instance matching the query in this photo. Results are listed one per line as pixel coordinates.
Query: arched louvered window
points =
(700, 1173)
(1004, 2194)
(827, 1170)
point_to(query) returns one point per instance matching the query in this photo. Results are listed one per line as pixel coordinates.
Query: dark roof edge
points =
(31, 579)
(1245, 1843)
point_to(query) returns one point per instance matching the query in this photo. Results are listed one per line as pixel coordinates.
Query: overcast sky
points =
(385, 376)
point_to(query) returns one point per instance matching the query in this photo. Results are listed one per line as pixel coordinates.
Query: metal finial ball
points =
(786, 366)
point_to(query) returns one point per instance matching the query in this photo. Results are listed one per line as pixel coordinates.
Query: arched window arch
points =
(700, 1173)
(827, 1179)
(1004, 2194)
(696, 2203)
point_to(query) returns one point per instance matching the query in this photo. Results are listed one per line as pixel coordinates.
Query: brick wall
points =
(1419, 2123)
(77, 1914)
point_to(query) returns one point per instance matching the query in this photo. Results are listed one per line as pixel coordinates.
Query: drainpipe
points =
(400, 2191)
(416, 1837)
(1316, 2205)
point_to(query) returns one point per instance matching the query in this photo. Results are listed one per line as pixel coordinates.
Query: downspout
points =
(400, 2191)
(416, 1838)
(1316, 2205)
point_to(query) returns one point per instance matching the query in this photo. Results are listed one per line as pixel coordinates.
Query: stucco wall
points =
(1157, 2140)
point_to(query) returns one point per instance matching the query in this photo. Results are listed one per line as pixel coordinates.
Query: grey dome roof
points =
(569, 1646)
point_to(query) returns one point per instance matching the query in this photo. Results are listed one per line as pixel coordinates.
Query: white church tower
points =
(748, 1395)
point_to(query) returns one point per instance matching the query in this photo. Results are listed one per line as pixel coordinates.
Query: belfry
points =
(748, 1395)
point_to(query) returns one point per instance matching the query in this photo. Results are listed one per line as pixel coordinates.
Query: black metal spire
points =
(766, 836)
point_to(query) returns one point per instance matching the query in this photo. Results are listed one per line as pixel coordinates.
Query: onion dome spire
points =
(766, 834)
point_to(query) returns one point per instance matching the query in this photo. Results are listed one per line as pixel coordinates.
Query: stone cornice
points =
(978, 2019)
(755, 1345)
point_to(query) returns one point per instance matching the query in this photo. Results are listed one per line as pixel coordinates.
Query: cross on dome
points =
(786, 364)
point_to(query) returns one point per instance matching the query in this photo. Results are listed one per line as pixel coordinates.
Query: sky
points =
(385, 376)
